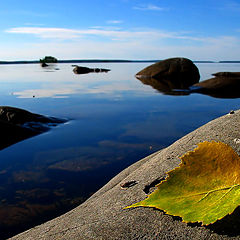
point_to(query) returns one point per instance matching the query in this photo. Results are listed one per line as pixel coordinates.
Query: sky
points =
(120, 29)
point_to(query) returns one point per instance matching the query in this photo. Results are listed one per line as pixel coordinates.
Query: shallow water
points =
(114, 120)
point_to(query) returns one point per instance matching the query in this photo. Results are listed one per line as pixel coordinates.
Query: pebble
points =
(237, 140)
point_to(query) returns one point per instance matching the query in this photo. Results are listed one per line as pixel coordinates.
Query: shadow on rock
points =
(229, 225)
(18, 124)
(85, 70)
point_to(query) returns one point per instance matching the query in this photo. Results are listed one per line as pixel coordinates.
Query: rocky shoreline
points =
(102, 216)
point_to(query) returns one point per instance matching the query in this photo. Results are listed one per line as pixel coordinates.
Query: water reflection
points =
(221, 86)
(50, 67)
(85, 70)
(80, 87)
(163, 86)
(218, 87)
(116, 120)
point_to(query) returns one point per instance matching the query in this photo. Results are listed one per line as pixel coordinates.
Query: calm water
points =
(114, 120)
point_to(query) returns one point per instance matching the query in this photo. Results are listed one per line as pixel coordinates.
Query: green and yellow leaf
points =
(204, 188)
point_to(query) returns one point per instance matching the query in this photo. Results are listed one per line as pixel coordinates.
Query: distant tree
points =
(48, 59)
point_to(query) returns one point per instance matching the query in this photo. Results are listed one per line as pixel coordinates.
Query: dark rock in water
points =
(224, 85)
(181, 72)
(43, 64)
(18, 124)
(19, 116)
(227, 74)
(84, 70)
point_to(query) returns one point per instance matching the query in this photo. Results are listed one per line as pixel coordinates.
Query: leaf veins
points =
(204, 188)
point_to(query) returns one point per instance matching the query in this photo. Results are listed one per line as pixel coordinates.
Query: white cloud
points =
(114, 21)
(116, 34)
(218, 48)
(150, 7)
(111, 44)
(59, 33)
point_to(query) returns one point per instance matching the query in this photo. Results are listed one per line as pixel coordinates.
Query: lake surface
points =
(114, 121)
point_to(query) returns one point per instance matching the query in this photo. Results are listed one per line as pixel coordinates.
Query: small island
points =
(48, 59)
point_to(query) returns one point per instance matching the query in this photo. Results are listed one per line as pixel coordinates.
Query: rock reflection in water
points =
(163, 86)
(85, 70)
(222, 85)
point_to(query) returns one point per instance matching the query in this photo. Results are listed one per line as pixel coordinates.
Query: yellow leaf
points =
(204, 188)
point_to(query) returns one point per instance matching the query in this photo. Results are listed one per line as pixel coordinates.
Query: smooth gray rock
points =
(102, 216)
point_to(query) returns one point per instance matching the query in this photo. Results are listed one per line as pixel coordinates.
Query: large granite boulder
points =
(103, 215)
(223, 85)
(181, 72)
(18, 124)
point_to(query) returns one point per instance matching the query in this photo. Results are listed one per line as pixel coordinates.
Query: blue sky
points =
(120, 29)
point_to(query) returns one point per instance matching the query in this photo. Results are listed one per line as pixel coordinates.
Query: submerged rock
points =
(180, 72)
(84, 70)
(18, 124)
